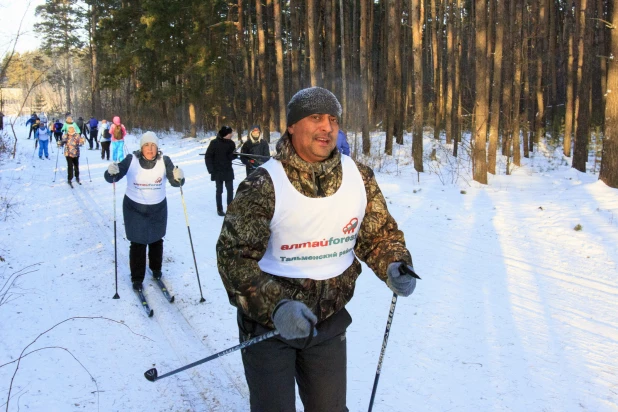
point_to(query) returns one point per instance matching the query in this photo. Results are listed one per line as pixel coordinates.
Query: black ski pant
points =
(229, 187)
(58, 136)
(137, 259)
(105, 149)
(72, 167)
(318, 366)
(93, 138)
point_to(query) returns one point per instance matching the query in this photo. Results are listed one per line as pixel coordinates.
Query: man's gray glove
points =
(293, 319)
(113, 169)
(401, 278)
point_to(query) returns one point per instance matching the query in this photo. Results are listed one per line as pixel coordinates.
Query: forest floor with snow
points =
(516, 310)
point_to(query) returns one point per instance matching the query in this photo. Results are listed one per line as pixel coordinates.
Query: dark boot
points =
(137, 286)
(156, 274)
(220, 212)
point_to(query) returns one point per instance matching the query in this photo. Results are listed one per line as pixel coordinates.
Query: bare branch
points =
(22, 354)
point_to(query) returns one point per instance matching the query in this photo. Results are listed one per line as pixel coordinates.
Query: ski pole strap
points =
(152, 374)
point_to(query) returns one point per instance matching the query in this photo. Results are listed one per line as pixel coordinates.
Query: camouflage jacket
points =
(245, 234)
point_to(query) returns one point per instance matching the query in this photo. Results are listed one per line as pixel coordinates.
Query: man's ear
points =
(291, 130)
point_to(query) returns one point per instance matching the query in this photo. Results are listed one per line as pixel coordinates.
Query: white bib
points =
(144, 186)
(314, 237)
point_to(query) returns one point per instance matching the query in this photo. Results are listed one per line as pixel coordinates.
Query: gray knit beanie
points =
(311, 101)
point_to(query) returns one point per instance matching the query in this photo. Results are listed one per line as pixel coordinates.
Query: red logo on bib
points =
(159, 180)
(351, 226)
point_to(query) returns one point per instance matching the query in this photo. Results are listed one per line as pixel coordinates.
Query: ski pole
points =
(403, 270)
(115, 241)
(182, 196)
(152, 374)
(56, 169)
(88, 164)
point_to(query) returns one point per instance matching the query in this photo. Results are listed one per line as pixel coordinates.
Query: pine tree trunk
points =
(364, 67)
(553, 64)
(246, 79)
(450, 56)
(389, 114)
(312, 39)
(539, 119)
(95, 102)
(417, 16)
(609, 159)
(582, 132)
(518, 42)
(280, 74)
(570, 86)
(433, 32)
(397, 108)
(494, 127)
(526, 79)
(602, 51)
(344, 89)
(479, 152)
(295, 45)
(507, 82)
(263, 71)
(456, 87)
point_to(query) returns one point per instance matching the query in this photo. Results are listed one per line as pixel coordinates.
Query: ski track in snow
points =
(516, 311)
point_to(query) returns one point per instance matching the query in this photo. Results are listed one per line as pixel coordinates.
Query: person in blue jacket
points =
(32, 122)
(342, 143)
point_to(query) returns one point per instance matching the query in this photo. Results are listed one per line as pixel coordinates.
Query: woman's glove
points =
(293, 319)
(401, 278)
(113, 169)
(178, 174)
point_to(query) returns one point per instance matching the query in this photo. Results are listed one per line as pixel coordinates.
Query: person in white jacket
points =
(104, 138)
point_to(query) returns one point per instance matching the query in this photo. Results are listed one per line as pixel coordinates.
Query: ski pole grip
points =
(404, 269)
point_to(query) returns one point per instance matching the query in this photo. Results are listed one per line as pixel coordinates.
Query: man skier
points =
(287, 255)
(257, 148)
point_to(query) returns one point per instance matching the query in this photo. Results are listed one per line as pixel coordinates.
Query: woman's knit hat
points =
(148, 137)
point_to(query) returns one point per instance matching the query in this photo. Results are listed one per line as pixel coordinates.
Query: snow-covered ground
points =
(516, 311)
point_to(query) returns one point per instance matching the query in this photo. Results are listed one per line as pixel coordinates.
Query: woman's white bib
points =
(144, 186)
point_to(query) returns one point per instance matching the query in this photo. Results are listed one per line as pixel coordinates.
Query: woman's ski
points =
(142, 299)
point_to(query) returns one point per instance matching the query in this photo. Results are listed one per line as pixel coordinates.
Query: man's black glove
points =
(401, 278)
(293, 319)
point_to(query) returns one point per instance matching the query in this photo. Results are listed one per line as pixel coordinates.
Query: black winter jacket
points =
(259, 148)
(219, 156)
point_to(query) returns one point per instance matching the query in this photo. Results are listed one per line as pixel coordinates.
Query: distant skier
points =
(254, 146)
(43, 135)
(71, 142)
(58, 130)
(219, 156)
(69, 123)
(105, 138)
(32, 122)
(93, 131)
(145, 205)
(118, 132)
(82, 126)
(342, 143)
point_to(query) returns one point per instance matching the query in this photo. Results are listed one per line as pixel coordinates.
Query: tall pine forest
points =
(492, 77)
